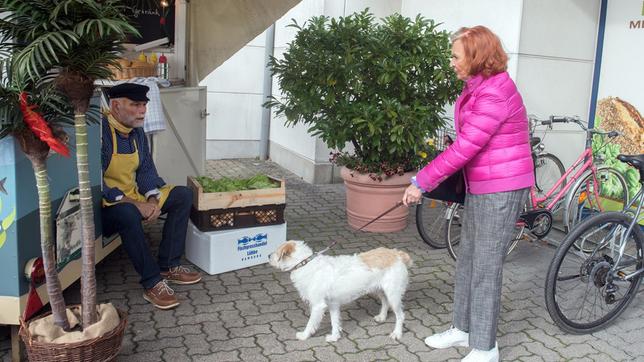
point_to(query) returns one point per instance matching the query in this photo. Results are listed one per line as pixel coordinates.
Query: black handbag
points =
(451, 190)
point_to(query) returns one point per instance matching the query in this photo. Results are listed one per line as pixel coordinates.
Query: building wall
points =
(550, 43)
(556, 61)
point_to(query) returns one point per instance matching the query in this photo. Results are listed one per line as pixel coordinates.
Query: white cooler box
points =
(221, 251)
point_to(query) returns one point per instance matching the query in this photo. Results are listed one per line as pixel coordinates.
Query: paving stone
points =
(254, 354)
(302, 356)
(249, 331)
(196, 344)
(154, 356)
(146, 346)
(217, 357)
(215, 331)
(401, 353)
(172, 354)
(233, 344)
(143, 331)
(198, 318)
(603, 358)
(164, 319)
(513, 352)
(270, 344)
(179, 330)
(327, 354)
(371, 355)
(576, 351)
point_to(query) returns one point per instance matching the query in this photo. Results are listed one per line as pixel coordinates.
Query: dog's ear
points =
(285, 250)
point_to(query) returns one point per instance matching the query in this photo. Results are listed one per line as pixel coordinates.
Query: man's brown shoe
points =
(181, 275)
(161, 296)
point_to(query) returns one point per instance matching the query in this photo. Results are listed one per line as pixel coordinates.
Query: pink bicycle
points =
(578, 194)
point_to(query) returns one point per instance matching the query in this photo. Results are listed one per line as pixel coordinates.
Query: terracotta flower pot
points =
(366, 199)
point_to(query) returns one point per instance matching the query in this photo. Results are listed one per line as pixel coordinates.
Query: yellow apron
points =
(121, 173)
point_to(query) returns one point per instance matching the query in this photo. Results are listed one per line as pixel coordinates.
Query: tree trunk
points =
(88, 273)
(54, 289)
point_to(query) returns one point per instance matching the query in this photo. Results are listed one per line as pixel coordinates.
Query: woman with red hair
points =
(492, 148)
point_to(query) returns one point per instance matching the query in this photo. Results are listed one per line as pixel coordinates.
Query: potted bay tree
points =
(373, 91)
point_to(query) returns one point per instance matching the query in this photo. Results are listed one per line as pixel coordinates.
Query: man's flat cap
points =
(135, 92)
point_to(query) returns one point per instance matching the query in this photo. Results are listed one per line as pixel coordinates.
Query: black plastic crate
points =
(239, 217)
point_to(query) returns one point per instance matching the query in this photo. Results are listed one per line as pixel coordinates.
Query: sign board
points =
(152, 19)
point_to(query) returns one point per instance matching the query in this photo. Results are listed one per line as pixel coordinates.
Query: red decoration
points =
(162, 20)
(39, 126)
(37, 275)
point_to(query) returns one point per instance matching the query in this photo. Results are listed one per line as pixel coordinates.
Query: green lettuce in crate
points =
(608, 152)
(226, 184)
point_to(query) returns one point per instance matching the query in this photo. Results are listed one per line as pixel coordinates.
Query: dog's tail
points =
(405, 258)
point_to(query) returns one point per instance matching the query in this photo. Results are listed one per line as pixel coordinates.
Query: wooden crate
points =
(203, 201)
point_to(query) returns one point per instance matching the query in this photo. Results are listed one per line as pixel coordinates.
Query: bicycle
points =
(586, 291)
(431, 215)
(429, 212)
(579, 193)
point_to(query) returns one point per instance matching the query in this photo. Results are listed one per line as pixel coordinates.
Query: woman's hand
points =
(412, 195)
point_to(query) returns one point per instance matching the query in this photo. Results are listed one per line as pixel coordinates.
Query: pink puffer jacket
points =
(492, 140)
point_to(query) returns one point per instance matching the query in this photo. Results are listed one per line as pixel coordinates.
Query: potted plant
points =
(374, 92)
(34, 114)
(72, 43)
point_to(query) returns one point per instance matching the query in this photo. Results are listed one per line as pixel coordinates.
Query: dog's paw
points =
(395, 335)
(380, 318)
(301, 336)
(332, 337)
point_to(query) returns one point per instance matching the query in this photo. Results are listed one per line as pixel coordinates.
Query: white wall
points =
(623, 51)
(294, 139)
(551, 46)
(550, 43)
(234, 103)
(503, 17)
(555, 68)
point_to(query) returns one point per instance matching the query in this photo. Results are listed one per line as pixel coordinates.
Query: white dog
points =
(331, 281)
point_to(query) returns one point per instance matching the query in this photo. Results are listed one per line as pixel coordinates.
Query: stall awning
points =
(219, 28)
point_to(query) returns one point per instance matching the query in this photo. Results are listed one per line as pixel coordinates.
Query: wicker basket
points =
(103, 349)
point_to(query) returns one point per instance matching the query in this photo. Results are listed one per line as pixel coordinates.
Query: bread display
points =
(619, 115)
(132, 69)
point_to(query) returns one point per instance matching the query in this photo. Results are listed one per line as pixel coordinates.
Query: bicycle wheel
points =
(587, 291)
(453, 231)
(582, 200)
(430, 222)
(548, 169)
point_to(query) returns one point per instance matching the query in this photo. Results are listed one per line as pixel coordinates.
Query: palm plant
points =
(76, 42)
(18, 117)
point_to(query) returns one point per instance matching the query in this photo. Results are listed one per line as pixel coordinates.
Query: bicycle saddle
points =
(534, 141)
(636, 161)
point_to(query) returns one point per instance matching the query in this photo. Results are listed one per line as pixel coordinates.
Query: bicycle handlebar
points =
(576, 120)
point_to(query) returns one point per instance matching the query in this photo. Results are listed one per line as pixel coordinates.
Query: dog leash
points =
(315, 255)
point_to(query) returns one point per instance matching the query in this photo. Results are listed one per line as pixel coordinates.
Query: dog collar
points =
(303, 262)
(311, 257)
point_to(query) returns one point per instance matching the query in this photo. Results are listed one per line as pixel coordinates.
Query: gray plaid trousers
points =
(488, 227)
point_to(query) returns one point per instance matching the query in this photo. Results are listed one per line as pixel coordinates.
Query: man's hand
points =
(149, 210)
(412, 195)
(157, 210)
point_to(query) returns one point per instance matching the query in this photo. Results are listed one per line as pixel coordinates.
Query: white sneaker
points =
(450, 338)
(478, 355)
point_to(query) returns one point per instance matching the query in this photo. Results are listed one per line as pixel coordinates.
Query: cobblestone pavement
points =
(253, 314)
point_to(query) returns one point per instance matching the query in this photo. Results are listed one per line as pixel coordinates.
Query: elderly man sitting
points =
(134, 193)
